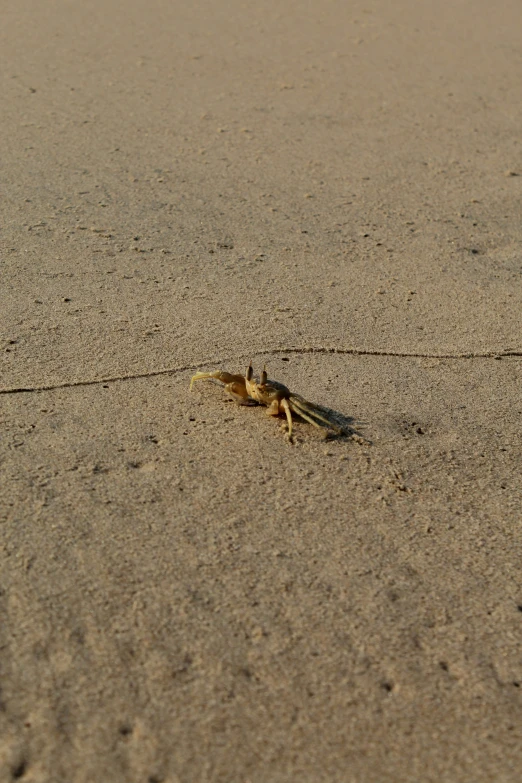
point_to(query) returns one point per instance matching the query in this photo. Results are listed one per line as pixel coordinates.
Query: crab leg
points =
(307, 418)
(286, 407)
(307, 410)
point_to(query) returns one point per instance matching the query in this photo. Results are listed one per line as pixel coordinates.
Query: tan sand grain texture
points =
(332, 188)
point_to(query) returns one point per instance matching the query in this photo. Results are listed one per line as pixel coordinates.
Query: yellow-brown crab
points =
(278, 398)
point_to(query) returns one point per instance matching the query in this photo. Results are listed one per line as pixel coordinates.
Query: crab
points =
(246, 390)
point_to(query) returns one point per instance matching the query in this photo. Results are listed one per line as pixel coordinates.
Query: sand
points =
(334, 189)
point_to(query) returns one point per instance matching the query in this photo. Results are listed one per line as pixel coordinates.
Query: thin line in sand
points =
(267, 352)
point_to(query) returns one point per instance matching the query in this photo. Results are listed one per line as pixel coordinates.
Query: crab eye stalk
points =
(249, 372)
(264, 376)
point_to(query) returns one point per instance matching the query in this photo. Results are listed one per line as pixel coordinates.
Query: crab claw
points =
(217, 375)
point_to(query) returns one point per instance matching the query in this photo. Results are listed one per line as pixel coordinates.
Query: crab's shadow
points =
(344, 423)
(347, 425)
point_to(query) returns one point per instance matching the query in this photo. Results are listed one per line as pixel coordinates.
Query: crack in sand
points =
(267, 352)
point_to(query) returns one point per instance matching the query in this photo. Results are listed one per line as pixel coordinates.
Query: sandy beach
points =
(334, 190)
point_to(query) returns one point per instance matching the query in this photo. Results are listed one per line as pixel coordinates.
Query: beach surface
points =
(333, 189)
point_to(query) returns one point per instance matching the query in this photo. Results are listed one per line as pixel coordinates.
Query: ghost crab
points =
(245, 389)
